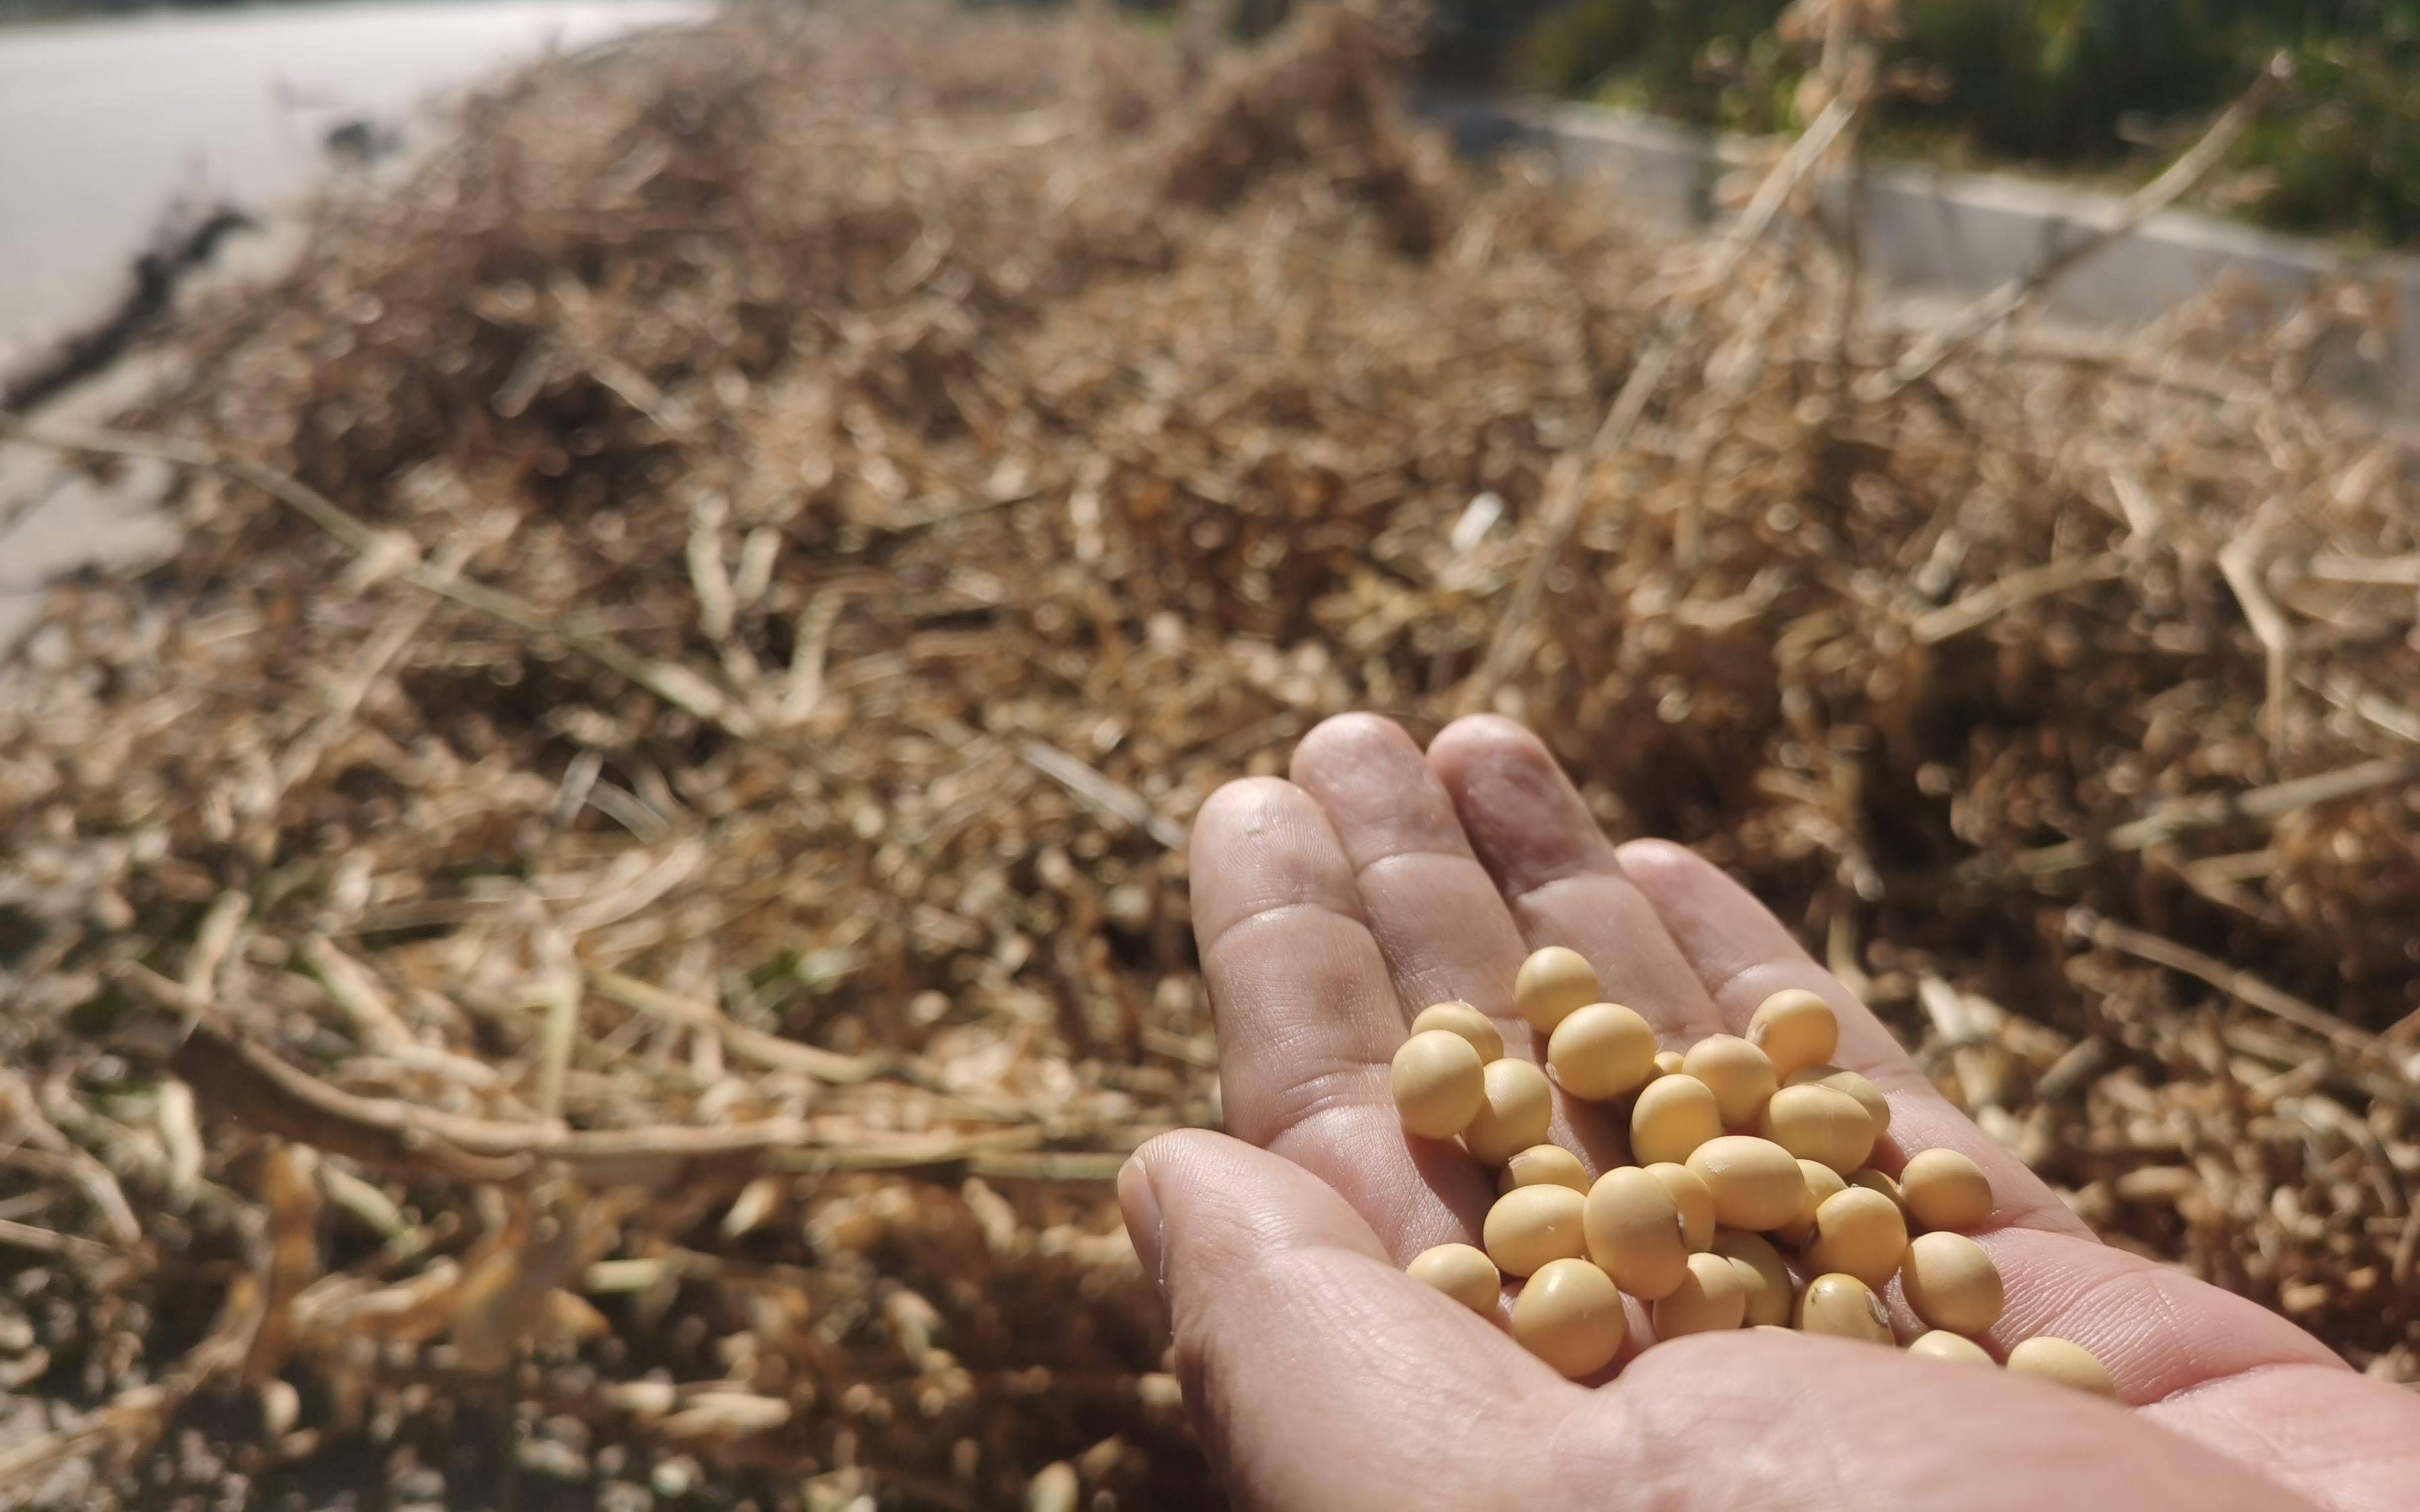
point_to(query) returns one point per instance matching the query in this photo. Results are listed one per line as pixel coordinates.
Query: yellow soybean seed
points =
(1674, 1114)
(1844, 1307)
(1462, 1272)
(1795, 1030)
(1762, 1273)
(1944, 1189)
(1668, 1062)
(1554, 983)
(1951, 1283)
(1858, 1233)
(1633, 1229)
(1515, 1107)
(1544, 1166)
(1873, 1179)
(1711, 1299)
(1531, 1224)
(1467, 1020)
(1756, 1183)
(1439, 1083)
(1821, 1181)
(1695, 1199)
(1740, 1075)
(2069, 1365)
(1601, 1051)
(1570, 1316)
(1950, 1348)
(1817, 1123)
(1841, 1079)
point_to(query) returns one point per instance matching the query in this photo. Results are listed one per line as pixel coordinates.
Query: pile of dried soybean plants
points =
(658, 779)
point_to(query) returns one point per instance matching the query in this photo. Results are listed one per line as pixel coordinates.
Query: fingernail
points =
(1140, 1205)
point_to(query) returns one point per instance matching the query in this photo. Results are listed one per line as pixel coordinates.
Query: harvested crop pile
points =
(600, 929)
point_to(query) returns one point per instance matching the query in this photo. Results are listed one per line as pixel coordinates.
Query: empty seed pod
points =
(1673, 1116)
(1740, 1075)
(2069, 1365)
(1795, 1030)
(1711, 1299)
(1544, 1166)
(1554, 983)
(1756, 1183)
(1462, 1272)
(1951, 1283)
(1695, 1199)
(1845, 1307)
(1601, 1051)
(1516, 1108)
(1859, 1233)
(1467, 1020)
(1570, 1316)
(1439, 1083)
(1531, 1224)
(1633, 1229)
(1944, 1189)
(1819, 1123)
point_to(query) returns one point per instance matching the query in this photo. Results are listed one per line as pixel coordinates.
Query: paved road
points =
(103, 123)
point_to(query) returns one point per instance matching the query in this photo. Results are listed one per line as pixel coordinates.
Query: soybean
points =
(1695, 1199)
(1674, 1114)
(1439, 1083)
(1711, 1299)
(1820, 1124)
(1845, 1307)
(1860, 1233)
(1756, 1183)
(1795, 1030)
(1841, 1079)
(1570, 1316)
(1952, 1284)
(1762, 1273)
(2069, 1365)
(1950, 1348)
(1462, 1272)
(1668, 1062)
(1945, 1189)
(1740, 1075)
(1516, 1105)
(1821, 1181)
(1544, 1166)
(1601, 1051)
(1554, 983)
(1532, 1225)
(1873, 1179)
(1467, 1020)
(1633, 1229)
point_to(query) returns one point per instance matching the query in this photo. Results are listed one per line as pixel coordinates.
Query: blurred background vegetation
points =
(2108, 89)
(2102, 87)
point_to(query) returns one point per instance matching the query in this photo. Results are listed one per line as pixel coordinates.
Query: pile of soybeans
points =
(1690, 1229)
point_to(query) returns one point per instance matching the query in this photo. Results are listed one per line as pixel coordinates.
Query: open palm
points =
(1332, 907)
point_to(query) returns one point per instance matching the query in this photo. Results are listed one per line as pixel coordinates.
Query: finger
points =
(1308, 1020)
(1798, 1423)
(1307, 1359)
(1433, 908)
(1558, 872)
(1743, 955)
(2158, 1332)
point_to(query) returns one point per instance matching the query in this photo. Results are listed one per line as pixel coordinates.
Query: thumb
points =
(1310, 1363)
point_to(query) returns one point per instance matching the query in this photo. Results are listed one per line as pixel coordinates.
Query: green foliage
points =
(2087, 82)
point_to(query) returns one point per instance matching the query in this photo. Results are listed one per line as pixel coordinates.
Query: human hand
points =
(1329, 910)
